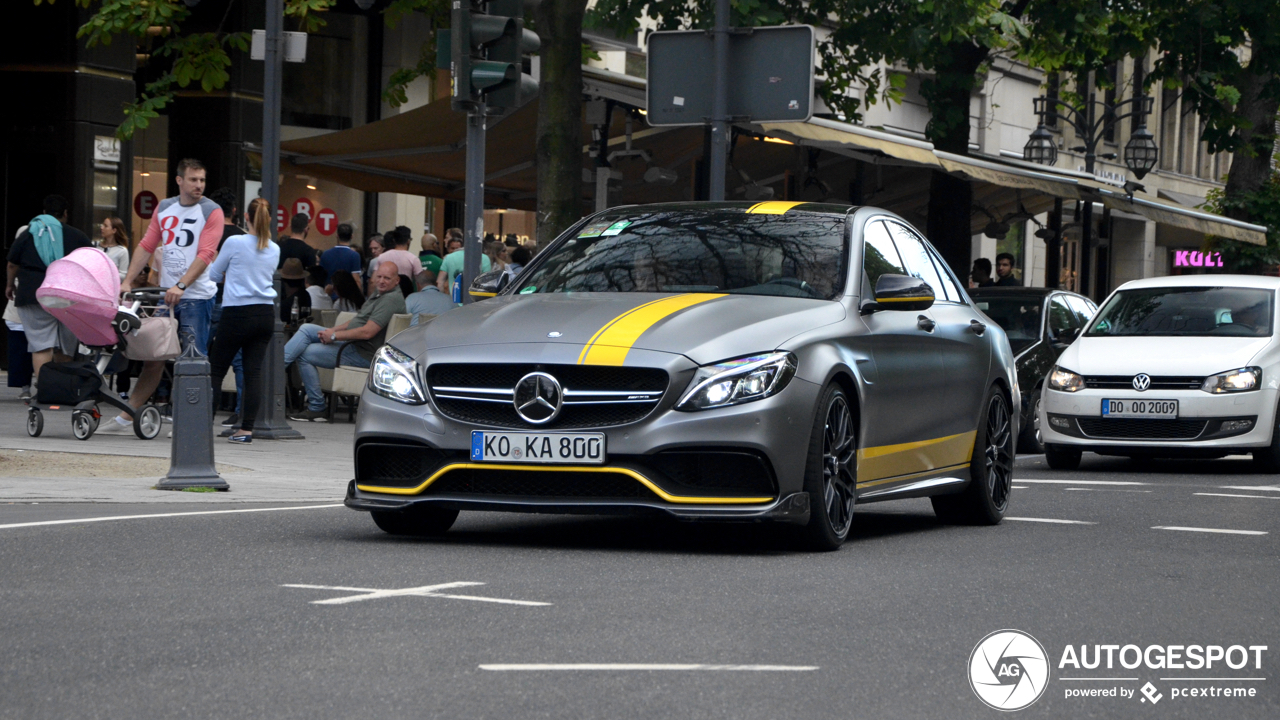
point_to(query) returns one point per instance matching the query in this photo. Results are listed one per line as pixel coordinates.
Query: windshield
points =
(1239, 312)
(723, 251)
(1019, 317)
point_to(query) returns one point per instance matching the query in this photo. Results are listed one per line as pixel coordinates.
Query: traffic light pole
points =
(473, 230)
(720, 103)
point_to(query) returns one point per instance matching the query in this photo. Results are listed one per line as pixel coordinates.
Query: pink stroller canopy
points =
(82, 291)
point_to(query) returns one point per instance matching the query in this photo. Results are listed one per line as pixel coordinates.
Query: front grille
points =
(595, 396)
(709, 472)
(1141, 429)
(1125, 382)
(548, 483)
(399, 464)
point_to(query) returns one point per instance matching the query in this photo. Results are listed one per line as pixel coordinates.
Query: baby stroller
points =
(81, 291)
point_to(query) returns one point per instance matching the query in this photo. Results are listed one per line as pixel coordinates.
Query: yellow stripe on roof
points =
(610, 345)
(772, 207)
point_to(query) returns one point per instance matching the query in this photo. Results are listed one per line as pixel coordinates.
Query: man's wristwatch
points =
(180, 285)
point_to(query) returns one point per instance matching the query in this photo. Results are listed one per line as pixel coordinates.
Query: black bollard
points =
(191, 450)
(271, 423)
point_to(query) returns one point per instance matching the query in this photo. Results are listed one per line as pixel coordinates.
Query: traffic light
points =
(486, 47)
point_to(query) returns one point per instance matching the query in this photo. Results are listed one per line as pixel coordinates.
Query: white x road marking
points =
(424, 591)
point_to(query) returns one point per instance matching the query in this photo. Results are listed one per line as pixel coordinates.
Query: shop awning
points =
(832, 135)
(1185, 217)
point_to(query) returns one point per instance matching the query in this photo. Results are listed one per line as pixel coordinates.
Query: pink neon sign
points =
(1195, 258)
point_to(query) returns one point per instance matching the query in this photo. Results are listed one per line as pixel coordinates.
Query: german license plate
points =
(1156, 409)
(538, 448)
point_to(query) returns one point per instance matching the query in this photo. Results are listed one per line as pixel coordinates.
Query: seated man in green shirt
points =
(314, 346)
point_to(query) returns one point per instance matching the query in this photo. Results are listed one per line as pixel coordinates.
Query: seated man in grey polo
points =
(428, 300)
(314, 346)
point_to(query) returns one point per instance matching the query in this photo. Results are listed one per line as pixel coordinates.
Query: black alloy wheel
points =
(1032, 442)
(985, 499)
(831, 474)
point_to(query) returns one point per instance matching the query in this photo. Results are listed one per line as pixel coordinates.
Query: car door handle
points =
(925, 323)
(977, 327)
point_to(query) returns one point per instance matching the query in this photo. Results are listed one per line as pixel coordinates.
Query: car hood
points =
(704, 327)
(1160, 355)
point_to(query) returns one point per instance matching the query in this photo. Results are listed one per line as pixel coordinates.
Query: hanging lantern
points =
(1041, 148)
(1141, 153)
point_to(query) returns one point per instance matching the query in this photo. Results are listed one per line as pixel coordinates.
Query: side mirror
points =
(489, 284)
(901, 292)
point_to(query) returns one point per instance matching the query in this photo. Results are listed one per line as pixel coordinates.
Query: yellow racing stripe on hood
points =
(772, 207)
(611, 343)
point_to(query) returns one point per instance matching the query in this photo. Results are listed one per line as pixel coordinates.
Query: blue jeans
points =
(306, 349)
(195, 320)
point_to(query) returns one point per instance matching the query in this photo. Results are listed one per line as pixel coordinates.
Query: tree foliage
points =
(1263, 206)
(199, 58)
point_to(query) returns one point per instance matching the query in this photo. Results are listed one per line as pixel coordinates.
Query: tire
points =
(417, 522)
(1061, 457)
(1029, 441)
(831, 472)
(35, 422)
(82, 425)
(146, 422)
(985, 499)
(1267, 459)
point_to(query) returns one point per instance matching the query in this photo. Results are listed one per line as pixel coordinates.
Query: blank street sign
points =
(770, 75)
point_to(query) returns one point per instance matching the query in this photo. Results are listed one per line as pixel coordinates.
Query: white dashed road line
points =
(164, 515)
(615, 667)
(1017, 487)
(1209, 530)
(1051, 520)
(1081, 482)
(1108, 490)
(1254, 488)
(1255, 497)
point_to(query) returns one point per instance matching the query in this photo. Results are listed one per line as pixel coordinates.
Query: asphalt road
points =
(196, 616)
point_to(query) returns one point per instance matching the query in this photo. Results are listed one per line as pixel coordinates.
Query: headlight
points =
(1241, 380)
(1065, 381)
(394, 375)
(737, 381)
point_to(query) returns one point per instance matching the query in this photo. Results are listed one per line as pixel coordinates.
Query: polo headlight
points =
(1063, 380)
(1241, 380)
(737, 381)
(395, 375)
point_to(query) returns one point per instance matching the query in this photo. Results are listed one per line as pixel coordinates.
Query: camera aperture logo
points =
(1008, 670)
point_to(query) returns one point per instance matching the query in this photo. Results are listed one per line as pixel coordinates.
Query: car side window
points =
(1061, 317)
(948, 284)
(916, 258)
(1084, 309)
(879, 256)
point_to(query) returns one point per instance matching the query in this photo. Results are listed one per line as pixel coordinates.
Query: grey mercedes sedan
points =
(776, 361)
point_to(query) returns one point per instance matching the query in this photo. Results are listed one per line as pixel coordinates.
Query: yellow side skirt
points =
(681, 499)
(915, 458)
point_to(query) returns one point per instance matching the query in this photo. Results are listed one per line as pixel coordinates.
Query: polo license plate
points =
(1154, 409)
(538, 448)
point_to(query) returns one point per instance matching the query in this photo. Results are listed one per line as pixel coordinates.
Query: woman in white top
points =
(247, 264)
(115, 243)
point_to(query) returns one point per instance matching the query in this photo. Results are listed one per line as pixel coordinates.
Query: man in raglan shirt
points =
(185, 232)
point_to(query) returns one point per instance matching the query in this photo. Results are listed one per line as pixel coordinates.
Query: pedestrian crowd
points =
(980, 276)
(217, 269)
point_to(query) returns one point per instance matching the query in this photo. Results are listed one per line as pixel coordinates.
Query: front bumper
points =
(1242, 421)
(774, 430)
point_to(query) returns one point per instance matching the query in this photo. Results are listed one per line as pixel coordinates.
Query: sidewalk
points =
(315, 469)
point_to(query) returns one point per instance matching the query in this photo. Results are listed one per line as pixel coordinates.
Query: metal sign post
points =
(720, 102)
(473, 229)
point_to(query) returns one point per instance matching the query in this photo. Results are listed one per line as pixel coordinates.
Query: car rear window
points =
(793, 255)
(1210, 311)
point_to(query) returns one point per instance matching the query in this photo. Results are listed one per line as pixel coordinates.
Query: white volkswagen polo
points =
(1170, 367)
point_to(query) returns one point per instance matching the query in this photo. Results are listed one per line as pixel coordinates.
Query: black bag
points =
(67, 383)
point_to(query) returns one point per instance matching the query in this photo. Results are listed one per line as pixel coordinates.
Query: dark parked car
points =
(1040, 323)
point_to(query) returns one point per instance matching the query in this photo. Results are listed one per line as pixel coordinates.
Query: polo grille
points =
(480, 394)
(1141, 429)
(1125, 382)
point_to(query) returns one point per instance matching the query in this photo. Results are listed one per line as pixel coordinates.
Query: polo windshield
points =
(793, 255)
(1212, 311)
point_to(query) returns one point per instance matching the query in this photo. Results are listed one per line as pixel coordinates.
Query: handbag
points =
(156, 339)
(67, 383)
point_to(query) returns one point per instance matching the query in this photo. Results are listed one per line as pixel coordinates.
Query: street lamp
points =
(1140, 154)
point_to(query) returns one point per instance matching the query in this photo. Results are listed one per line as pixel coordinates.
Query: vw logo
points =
(1141, 382)
(538, 398)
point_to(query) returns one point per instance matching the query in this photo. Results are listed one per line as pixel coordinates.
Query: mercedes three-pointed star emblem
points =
(538, 398)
